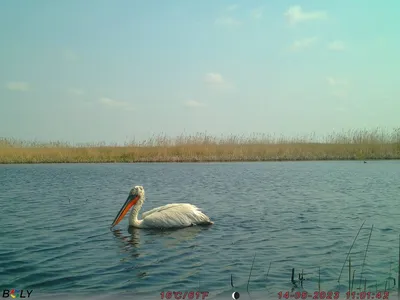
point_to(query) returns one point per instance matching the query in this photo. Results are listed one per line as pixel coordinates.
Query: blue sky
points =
(95, 70)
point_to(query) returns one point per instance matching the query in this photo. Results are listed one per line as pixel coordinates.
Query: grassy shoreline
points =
(352, 145)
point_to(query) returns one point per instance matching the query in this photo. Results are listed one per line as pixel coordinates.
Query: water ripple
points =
(292, 215)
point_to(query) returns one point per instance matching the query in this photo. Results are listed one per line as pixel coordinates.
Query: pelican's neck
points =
(133, 219)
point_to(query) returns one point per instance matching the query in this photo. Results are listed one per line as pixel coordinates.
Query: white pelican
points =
(175, 215)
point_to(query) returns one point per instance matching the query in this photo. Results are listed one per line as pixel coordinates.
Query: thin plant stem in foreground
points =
(251, 269)
(319, 279)
(350, 275)
(344, 264)
(365, 255)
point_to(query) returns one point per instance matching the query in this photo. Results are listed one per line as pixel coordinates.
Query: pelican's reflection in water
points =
(141, 237)
(175, 237)
(144, 249)
(128, 243)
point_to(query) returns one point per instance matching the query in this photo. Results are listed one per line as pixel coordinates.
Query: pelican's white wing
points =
(174, 215)
(161, 208)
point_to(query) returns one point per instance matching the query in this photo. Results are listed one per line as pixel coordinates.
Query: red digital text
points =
(183, 295)
(317, 295)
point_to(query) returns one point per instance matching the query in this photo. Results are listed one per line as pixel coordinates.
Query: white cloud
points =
(336, 46)
(18, 86)
(193, 103)
(214, 79)
(257, 13)
(227, 21)
(232, 7)
(331, 81)
(76, 92)
(304, 43)
(339, 87)
(70, 55)
(336, 81)
(295, 14)
(116, 103)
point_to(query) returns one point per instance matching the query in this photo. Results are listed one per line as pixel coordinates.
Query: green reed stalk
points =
(350, 275)
(365, 255)
(269, 268)
(251, 269)
(319, 279)
(344, 264)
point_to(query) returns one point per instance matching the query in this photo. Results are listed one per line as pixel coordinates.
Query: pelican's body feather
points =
(175, 215)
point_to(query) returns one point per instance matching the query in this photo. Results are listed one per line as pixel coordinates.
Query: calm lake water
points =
(304, 215)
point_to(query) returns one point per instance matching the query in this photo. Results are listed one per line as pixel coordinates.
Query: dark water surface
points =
(55, 219)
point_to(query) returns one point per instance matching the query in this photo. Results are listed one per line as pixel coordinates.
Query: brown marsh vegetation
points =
(350, 145)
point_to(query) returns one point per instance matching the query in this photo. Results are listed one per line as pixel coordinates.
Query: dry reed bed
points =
(351, 145)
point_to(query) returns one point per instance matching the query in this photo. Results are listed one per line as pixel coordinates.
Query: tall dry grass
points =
(346, 145)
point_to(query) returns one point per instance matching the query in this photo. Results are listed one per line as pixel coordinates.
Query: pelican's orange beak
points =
(130, 201)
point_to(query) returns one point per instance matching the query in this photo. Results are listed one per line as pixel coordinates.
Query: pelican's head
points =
(134, 195)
